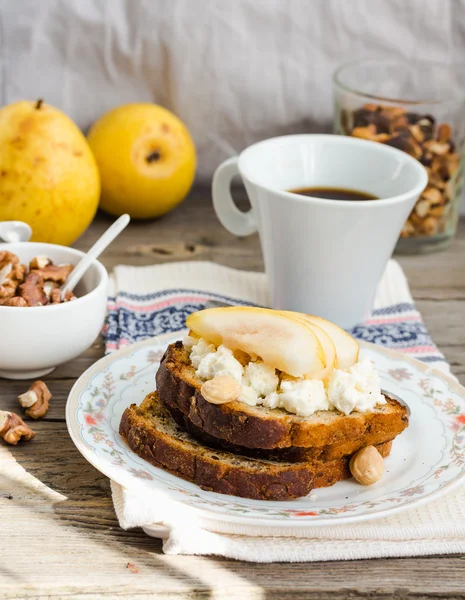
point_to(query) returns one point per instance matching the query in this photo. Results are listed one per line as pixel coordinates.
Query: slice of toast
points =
(293, 454)
(263, 428)
(153, 435)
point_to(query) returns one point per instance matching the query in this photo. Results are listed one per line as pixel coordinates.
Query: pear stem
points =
(39, 103)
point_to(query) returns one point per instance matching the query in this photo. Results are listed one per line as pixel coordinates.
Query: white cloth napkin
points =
(436, 528)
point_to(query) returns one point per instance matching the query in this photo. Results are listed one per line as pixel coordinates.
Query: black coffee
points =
(329, 193)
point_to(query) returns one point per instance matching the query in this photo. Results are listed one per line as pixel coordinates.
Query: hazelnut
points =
(417, 133)
(408, 230)
(367, 465)
(452, 163)
(221, 389)
(438, 148)
(365, 133)
(433, 195)
(432, 144)
(444, 132)
(430, 226)
(436, 211)
(422, 208)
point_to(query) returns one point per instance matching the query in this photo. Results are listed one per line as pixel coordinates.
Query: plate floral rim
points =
(125, 479)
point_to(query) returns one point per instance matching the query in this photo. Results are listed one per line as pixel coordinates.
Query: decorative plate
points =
(427, 459)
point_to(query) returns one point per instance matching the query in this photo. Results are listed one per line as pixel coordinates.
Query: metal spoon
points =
(100, 245)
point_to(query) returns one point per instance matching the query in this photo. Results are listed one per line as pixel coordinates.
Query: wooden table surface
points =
(58, 533)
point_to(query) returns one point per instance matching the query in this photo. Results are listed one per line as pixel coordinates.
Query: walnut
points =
(69, 296)
(8, 258)
(7, 291)
(13, 429)
(39, 287)
(57, 273)
(36, 400)
(55, 296)
(11, 275)
(16, 301)
(32, 290)
(39, 262)
(5, 272)
(17, 274)
(50, 289)
(10, 267)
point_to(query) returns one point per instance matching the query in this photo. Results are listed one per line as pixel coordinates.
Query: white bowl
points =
(34, 340)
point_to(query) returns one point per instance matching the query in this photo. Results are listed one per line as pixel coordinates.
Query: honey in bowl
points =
(330, 193)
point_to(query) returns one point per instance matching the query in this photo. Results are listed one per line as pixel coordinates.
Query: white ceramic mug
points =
(322, 257)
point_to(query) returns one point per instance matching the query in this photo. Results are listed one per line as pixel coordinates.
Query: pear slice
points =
(280, 340)
(347, 348)
(329, 349)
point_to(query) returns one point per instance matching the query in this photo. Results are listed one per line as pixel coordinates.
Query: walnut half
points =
(32, 290)
(16, 301)
(13, 428)
(36, 400)
(57, 273)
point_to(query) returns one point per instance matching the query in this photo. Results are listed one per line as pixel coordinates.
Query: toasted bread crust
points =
(294, 454)
(152, 433)
(258, 428)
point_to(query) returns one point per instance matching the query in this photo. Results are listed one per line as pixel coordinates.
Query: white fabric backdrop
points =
(235, 71)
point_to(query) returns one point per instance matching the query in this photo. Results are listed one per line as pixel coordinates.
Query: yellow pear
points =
(146, 159)
(48, 175)
(327, 344)
(278, 338)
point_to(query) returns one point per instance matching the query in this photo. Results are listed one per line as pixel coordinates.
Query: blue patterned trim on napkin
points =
(132, 318)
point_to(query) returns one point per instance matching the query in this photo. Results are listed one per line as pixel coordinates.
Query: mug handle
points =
(235, 221)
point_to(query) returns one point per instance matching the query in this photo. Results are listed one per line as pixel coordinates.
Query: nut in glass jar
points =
(431, 144)
(422, 124)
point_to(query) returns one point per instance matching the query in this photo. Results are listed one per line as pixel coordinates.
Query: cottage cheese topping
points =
(249, 396)
(262, 378)
(355, 389)
(347, 390)
(303, 396)
(189, 342)
(199, 351)
(217, 362)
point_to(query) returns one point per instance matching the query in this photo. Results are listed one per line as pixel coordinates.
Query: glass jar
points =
(418, 107)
